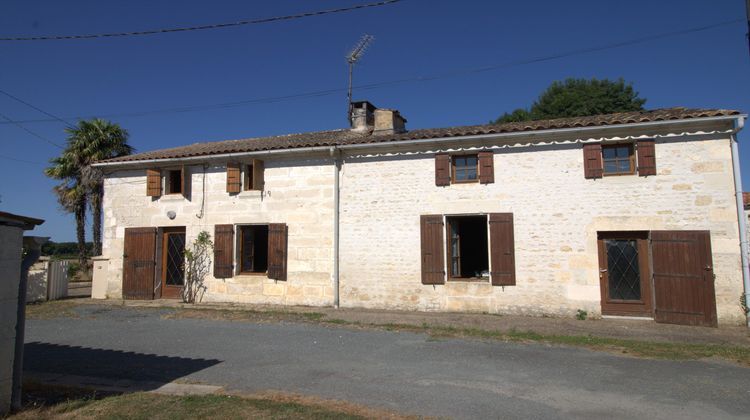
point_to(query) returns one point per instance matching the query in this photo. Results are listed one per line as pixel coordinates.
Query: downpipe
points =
(336, 155)
(742, 221)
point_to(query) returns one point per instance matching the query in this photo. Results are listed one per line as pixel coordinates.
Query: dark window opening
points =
(622, 267)
(465, 168)
(467, 247)
(254, 249)
(248, 177)
(618, 159)
(174, 182)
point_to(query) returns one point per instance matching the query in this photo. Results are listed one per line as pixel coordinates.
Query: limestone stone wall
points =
(10, 274)
(298, 192)
(557, 213)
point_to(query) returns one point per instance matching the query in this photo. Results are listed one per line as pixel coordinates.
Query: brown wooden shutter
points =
(234, 182)
(442, 169)
(277, 251)
(186, 181)
(258, 171)
(153, 182)
(433, 261)
(592, 160)
(486, 167)
(223, 251)
(646, 157)
(502, 250)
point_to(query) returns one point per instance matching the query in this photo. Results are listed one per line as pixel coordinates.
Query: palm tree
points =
(82, 185)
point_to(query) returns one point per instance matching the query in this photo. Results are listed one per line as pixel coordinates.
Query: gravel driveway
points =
(404, 372)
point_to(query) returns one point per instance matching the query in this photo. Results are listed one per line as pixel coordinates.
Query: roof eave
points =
(738, 118)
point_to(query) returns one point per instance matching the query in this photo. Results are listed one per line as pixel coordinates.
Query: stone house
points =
(630, 214)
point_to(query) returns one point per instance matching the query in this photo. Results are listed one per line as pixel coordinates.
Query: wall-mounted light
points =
(171, 214)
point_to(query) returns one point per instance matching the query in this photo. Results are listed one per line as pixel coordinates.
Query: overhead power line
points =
(21, 160)
(455, 73)
(200, 27)
(19, 125)
(17, 99)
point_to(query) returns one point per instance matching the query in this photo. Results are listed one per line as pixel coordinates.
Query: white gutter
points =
(742, 221)
(501, 136)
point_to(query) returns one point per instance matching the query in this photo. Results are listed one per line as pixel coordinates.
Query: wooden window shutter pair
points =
(234, 176)
(502, 249)
(592, 159)
(646, 151)
(224, 251)
(153, 182)
(443, 168)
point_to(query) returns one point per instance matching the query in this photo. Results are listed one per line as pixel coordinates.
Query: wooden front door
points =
(624, 274)
(683, 277)
(172, 262)
(139, 263)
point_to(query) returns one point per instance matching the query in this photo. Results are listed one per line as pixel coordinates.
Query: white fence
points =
(48, 280)
(57, 280)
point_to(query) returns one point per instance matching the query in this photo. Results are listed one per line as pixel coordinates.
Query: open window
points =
(253, 255)
(174, 181)
(468, 256)
(254, 176)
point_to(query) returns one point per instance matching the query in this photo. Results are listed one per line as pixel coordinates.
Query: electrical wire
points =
(21, 160)
(454, 73)
(17, 99)
(39, 136)
(201, 27)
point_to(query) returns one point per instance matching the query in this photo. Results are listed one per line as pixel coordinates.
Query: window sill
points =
(172, 197)
(249, 194)
(469, 279)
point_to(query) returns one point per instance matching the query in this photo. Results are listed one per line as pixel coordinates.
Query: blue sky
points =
(413, 38)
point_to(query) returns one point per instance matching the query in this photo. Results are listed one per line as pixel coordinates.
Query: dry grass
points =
(51, 309)
(45, 402)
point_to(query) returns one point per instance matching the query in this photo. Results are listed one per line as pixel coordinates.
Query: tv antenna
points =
(352, 58)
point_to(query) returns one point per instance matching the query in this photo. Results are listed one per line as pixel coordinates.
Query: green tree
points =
(579, 98)
(81, 185)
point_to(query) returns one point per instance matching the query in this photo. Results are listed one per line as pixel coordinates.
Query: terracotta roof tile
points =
(344, 137)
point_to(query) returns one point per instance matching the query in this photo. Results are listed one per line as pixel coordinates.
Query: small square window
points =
(618, 159)
(465, 168)
(174, 182)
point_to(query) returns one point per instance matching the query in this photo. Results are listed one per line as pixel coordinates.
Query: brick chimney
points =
(367, 117)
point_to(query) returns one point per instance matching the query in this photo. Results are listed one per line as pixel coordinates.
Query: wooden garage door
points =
(683, 278)
(139, 262)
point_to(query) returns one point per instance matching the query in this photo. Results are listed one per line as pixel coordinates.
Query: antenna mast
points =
(356, 53)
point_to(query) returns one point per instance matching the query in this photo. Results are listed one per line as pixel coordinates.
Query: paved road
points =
(408, 373)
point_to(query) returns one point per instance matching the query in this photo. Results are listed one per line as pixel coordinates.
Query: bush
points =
(581, 315)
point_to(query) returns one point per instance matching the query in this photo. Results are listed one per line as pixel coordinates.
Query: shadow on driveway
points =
(112, 364)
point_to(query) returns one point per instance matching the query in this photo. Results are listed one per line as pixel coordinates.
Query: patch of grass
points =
(51, 309)
(142, 405)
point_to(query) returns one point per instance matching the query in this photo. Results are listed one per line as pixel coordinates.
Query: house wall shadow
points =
(111, 364)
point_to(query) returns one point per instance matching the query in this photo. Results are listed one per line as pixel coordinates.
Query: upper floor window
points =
(174, 181)
(464, 168)
(618, 159)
